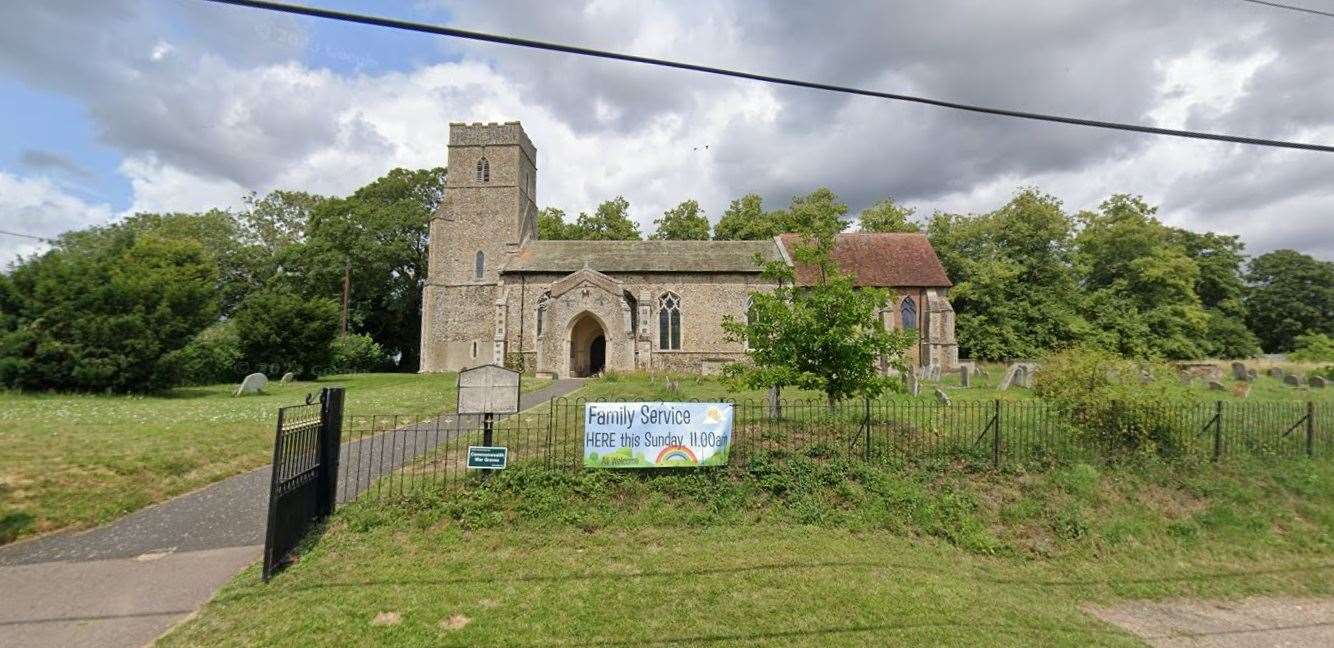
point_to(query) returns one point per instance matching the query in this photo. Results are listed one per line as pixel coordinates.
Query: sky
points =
(117, 107)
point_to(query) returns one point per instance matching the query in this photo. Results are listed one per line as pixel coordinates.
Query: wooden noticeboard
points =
(488, 389)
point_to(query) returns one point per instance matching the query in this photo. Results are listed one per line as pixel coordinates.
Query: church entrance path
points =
(127, 582)
(1261, 621)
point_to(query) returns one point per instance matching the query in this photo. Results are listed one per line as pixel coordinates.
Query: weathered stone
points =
(288, 377)
(941, 397)
(1145, 376)
(965, 376)
(1239, 371)
(1216, 386)
(1316, 382)
(1026, 376)
(1251, 375)
(1008, 378)
(253, 384)
(914, 386)
(1241, 389)
(1187, 380)
(1202, 370)
(1276, 373)
(1292, 380)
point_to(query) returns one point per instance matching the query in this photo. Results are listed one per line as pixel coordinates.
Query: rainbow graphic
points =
(677, 455)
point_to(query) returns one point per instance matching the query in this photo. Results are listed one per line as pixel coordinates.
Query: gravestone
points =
(1251, 375)
(1145, 376)
(1239, 371)
(980, 371)
(1026, 376)
(253, 384)
(1008, 378)
(1316, 382)
(288, 377)
(1187, 380)
(965, 376)
(1241, 389)
(1215, 385)
(914, 387)
(1276, 373)
(1292, 380)
(941, 397)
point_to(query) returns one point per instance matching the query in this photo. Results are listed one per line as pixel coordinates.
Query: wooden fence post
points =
(1218, 429)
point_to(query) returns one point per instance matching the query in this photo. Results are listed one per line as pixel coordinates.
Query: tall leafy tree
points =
(279, 331)
(826, 337)
(684, 222)
(1015, 293)
(609, 222)
(1290, 294)
(819, 212)
(379, 236)
(1127, 256)
(745, 220)
(278, 219)
(1221, 289)
(888, 216)
(551, 226)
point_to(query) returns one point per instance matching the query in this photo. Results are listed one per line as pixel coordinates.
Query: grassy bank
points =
(77, 460)
(788, 551)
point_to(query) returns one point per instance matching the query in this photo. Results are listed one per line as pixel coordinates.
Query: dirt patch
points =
(1289, 622)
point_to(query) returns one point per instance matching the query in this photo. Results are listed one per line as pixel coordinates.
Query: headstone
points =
(1241, 389)
(980, 371)
(1292, 380)
(1008, 379)
(1145, 376)
(1215, 385)
(965, 377)
(1251, 375)
(1316, 382)
(914, 387)
(253, 384)
(1187, 380)
(1025, 376)
(288, 377)
(1275, 372)
(941, 397)
(1239, 371)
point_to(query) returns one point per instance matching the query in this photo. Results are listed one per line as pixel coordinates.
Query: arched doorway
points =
(588, 346)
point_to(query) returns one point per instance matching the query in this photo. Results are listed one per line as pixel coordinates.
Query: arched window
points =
(669, 322)
(478, 265)
(908, 313)
(483, 170)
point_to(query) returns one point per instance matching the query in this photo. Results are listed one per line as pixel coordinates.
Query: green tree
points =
(1221, 289)
(685, 222)
(888, 216)
(1015, 293)
(1312, 347)
(102, 310)
(1127, 256)
(379, 235)
(820, 212)
(551, 226)
(609, 222)
(1290, 294)
(279, 331)
(746, 220)
(279, 219)
(826, 337)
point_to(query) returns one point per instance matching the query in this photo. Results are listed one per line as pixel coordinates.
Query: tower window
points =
(908, 313)
(474, 350)
(669, 322)
(478, 265)
(483, 170)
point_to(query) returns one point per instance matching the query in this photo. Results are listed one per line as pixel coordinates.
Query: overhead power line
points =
(631, 58)
(1279, 5)
(27, 236)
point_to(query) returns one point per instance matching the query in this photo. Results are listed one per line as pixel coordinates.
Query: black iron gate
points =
(305, 472)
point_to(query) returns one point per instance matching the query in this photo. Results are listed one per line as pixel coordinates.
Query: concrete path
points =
(125, 583)
(1292, 623)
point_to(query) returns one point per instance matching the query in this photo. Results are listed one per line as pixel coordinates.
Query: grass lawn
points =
(643, 386)
(799, 552)
(78, 460)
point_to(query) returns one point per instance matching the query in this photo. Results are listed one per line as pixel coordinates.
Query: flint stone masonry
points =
(495, 293)
(252, 384)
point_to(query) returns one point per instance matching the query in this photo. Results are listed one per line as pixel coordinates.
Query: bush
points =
(214, 356)
(1313, 347)
(282, 332)
(1116, 403)
(356, 353)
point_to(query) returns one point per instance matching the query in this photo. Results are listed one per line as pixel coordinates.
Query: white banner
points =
(656, 435)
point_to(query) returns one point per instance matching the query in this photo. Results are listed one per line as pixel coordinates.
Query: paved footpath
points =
(125, 583)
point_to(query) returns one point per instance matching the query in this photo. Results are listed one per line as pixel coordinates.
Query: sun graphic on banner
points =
(714, 415)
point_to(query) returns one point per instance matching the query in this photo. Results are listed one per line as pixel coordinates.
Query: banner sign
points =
(656, 435)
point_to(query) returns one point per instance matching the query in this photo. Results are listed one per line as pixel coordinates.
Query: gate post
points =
(1218, 429)
(331, 442)
(1310, 428)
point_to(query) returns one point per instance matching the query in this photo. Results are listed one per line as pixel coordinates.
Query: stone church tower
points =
(489, 210)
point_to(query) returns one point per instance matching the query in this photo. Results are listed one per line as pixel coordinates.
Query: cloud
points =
(38, 161)
(37, 207)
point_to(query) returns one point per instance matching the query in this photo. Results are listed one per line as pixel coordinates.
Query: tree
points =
(101, 311)
(1289, 294)
(279, 331)
(746, 220)
(551, 226)
(827, 336)
(1126, 255)
(1312, 347)
(379, 235)
(279, 219)
(818, 212)
(1221, 289)
(609, 222)
(888, 216)
(685, 222)
(1015, 293)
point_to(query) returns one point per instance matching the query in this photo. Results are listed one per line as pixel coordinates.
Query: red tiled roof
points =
(879, 259)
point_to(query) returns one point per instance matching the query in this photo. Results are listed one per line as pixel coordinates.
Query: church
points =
(496, 293)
